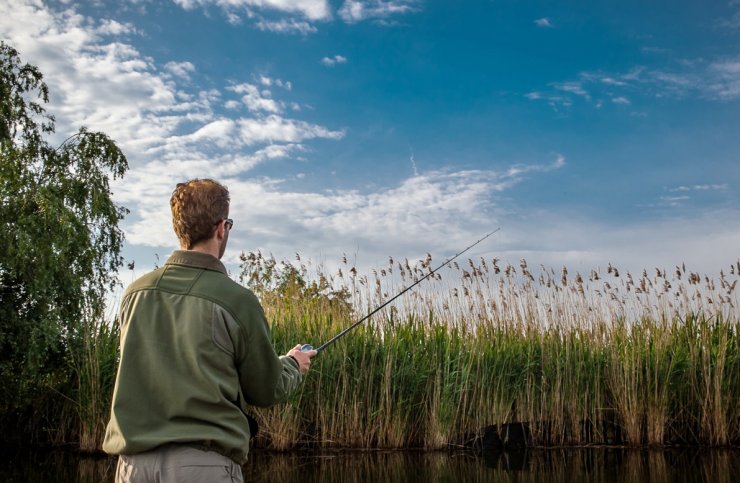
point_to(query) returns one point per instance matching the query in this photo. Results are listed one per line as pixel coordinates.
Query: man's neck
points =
(207, 247)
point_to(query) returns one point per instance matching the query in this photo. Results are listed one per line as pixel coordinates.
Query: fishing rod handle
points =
(306, 347)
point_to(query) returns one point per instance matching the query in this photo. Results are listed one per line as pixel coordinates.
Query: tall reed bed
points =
(602, 359)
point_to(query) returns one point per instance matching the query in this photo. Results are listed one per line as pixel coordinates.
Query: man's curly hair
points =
(197, 207)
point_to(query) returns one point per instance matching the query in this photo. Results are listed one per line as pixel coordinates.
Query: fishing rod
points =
(308, 347)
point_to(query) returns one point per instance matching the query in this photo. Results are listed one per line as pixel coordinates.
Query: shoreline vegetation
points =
(606, 359)
(479, 354)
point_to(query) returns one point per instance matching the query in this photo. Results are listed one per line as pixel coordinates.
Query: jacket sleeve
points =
(265, 378)
(290, 379)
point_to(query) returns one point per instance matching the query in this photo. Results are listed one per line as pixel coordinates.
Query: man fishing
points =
(195, 350)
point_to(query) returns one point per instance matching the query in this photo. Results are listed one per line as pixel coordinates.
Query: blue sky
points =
(591, 132)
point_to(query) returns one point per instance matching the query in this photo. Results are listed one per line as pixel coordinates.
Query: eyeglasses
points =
(228, 222)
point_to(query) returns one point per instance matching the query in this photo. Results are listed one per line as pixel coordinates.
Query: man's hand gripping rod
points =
(308, 347)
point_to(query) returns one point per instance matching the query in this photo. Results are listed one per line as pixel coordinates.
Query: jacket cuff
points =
(295, 361)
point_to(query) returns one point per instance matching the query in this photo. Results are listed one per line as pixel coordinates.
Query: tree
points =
(59, 237)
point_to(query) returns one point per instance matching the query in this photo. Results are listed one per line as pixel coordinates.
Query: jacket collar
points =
(191, 258)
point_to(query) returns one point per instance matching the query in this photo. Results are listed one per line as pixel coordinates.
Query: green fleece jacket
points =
(195, 349)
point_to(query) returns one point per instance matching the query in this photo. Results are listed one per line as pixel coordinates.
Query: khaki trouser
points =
(177, 464)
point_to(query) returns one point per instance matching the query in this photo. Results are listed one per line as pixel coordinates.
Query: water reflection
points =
(568, 465)
(57, 466)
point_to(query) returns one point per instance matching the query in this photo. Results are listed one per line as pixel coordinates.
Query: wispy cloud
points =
(310, 9)
(733, 21)
(699, 187)
(353, 11)
(332, 61)
(573, 88)
(180, 69)
(519, 169)
(286, 26)
(555, 101)
(268, 81)
(680, 196)
(450, 204)
(256, 99)
(543, 22)
(714, 80)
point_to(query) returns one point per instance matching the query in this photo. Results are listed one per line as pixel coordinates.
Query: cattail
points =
(564, 277)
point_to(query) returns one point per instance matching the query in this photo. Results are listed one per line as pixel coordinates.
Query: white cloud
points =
(268, 82)
(233, 18)
(715, 80)
(112, 27)
(310, 9)
(275, 128)
(442, 207)
(543, 22)
(612, 82)
(180, 69)
(518, 169)
(286, 26)
(167, 133)
(700, 187)
(441, 212)
(724, 81)
(332, 61)
(256, 100)
(353, 11)
(94, 80)
(573, 88)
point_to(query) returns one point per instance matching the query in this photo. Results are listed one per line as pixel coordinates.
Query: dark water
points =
(572, 465)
